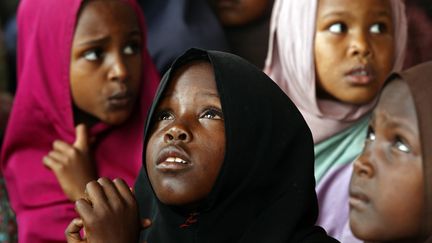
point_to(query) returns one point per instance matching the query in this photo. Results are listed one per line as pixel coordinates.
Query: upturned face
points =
(387, 190)
(105, 69)
(354, 50)
(186, 147)
(240, 12)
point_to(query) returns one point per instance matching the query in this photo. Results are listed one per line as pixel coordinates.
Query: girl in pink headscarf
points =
(331, 57)
(85, 83)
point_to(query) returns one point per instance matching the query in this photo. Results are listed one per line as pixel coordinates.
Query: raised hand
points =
(72, 164)
(109, 213)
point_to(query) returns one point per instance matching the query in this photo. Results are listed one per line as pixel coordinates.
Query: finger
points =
(72, 231)
(58, 156)
(96, 194)
(124, 190)
(62, 147)
(81, 140)
(146, 223)
(84, 209)
(50, 163)
(114, 197)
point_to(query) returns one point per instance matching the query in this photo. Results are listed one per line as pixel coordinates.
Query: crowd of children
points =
(308, 131)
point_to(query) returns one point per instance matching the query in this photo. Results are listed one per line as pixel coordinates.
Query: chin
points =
(357, 99)
(116, 120)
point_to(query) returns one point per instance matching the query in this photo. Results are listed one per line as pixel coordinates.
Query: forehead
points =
(362, 7)
(99, 16)
(193, 76)
(396, 100)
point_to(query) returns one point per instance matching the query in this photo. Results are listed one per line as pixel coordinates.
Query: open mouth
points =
(360, 75)
(173, 159)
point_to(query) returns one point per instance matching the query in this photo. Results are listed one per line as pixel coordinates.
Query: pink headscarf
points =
(290, 62)
(43, 112)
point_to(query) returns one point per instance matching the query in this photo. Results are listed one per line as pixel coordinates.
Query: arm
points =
(72, 164)
(109, 214)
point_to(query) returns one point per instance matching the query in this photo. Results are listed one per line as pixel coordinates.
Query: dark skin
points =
(186, 130)
(104, 80)
(387, 187)
(241, 12)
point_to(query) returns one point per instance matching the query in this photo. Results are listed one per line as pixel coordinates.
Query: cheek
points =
(135, 69)
(401, 202)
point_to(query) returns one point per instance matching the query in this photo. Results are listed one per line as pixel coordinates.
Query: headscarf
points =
(43, 112)
(177, 25)
(290, 62)
(418, 79)
(265, 189)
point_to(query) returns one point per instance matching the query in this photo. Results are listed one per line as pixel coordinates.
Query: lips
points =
(360, 75)
(173, 159)
(357, 199)
(120, 98)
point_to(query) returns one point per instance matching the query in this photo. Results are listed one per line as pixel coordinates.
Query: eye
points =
(378, 28)
(164, 115)
(401, 145)
(212, 113)
(337, 28)
(131, 49)
(370, 134)
(93, 55)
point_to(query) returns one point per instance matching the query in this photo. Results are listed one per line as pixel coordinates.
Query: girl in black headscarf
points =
(229, 160)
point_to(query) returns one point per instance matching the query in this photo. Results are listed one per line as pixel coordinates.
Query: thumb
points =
(81, 139)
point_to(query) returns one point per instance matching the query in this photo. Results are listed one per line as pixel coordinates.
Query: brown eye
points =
(401, 145)
(212, 113)
(93, 55)
(164, 115)
(378, 28)
(337, 28)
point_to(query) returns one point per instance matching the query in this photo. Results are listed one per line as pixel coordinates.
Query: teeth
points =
(362, 73)
(176, 160)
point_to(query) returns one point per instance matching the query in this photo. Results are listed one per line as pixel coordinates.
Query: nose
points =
(362, 165)
(177, 133)
(360, 46)
(118, 70)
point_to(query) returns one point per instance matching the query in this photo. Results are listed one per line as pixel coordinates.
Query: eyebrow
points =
(393, 122)
(103, 38)
(341, 13)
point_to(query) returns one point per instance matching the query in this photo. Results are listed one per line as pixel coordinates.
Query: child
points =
(228, 159)
(177, 25)
(331, 57)
(246, 24)
(80, 62)
(390, 190)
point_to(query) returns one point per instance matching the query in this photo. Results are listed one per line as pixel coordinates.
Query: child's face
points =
(354, 48)
(187, 143)
(105, 68)
(240, 12)
(386, 190)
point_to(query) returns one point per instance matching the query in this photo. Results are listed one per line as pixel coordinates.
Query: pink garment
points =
(290, 62)
(43, 112)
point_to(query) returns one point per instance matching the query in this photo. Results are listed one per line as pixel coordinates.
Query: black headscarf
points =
(265, 191)
(177, 25)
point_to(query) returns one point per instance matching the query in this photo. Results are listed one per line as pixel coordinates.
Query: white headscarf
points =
(290, 63)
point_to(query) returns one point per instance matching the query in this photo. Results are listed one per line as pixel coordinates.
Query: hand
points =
(72, 164)
(109, 213)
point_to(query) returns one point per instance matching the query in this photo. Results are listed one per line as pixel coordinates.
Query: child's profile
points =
(389, 189)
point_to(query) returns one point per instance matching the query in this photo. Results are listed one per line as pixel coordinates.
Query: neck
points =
(81, 117)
